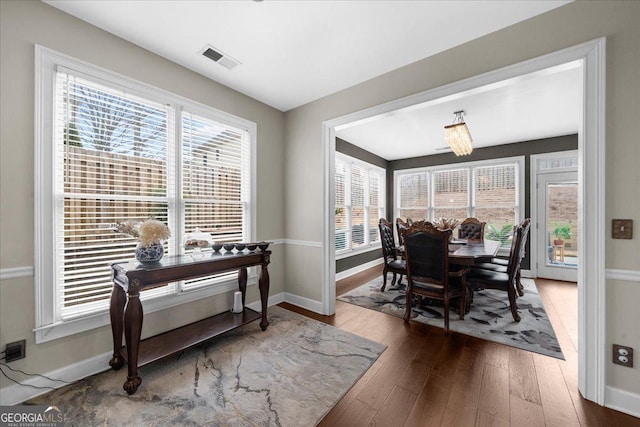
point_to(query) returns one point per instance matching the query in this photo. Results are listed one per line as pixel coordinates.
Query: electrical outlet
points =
(15, 351)
(622, 355)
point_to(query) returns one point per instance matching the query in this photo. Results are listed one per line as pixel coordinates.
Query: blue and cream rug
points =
(292, 374)
(490, 316)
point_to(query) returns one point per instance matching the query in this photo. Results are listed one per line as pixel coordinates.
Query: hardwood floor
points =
(426, 379)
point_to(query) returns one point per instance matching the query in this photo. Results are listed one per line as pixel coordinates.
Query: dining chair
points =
(392, 261)
(480, 278)
(501, 264)
(472, 229)
(428, 275)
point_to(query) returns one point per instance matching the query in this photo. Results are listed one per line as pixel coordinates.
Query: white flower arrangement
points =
(444, 223)
(148, 231)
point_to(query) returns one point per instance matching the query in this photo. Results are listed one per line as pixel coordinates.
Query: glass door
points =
(557, 201)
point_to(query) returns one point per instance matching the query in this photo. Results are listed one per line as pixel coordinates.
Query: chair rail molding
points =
(308, 243)
(16, 272)
(624, 275)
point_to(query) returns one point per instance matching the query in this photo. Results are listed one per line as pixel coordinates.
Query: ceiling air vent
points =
(219, 57)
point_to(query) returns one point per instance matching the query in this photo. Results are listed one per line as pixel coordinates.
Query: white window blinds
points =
(214, 171)
(215, 185)
(341, 225)
(413, 196)
(451, 194)
(111, 150)
(360, 197)
(496, 196)
(117, 159)
(488, 190)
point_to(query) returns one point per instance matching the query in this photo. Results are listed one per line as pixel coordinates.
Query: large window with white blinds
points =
(360, 203)
(109, 149)
(488, 190)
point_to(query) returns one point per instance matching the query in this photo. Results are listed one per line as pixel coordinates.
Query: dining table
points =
(469, 252)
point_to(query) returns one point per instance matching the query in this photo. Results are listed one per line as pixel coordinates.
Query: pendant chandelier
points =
(457, 135)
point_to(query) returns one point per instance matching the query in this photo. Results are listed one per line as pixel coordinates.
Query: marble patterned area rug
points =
(292, 374)
(490, 316)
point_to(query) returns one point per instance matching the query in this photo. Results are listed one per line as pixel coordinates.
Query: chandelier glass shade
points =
(457, 136)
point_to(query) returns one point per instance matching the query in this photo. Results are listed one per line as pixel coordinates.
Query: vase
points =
(149, 254)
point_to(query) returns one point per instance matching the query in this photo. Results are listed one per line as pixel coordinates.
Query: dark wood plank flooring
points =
(426, 379)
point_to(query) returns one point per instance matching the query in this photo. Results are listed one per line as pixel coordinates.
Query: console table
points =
(131, 277)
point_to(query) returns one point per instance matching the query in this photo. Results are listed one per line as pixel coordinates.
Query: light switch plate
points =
(622, 228)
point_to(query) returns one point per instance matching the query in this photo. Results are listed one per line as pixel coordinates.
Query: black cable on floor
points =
(26, 385)
(28, 374)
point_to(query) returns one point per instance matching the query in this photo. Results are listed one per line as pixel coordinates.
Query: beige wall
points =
(566, 26)
(26, 23)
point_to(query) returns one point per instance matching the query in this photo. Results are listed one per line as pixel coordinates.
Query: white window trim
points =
(519, 160)
(48, 324)
(368, 246)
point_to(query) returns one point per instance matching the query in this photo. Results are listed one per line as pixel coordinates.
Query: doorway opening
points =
(591, 218)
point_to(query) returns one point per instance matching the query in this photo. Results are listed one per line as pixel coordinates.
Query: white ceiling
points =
(539, 105)
(294, 52)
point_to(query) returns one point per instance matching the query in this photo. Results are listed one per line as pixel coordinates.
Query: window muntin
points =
(488, 190)
(359, 203)
(108, 149)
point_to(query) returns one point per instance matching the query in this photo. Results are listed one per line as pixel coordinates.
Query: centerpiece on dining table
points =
(444, 224)
(150, 233)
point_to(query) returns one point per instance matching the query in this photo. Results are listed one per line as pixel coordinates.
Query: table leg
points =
(264, 295)
(116, 311)
(133, 316)
(242, 282)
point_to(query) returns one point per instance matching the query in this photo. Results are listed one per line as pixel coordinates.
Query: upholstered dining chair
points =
(500, 264)
(392, 261)
(480, 278)
(428, 275)
(472, 229)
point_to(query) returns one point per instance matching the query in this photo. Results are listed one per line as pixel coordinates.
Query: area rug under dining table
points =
(490, 316)
(292, 374)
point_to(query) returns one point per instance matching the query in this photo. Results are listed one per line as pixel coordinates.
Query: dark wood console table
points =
(131, 277)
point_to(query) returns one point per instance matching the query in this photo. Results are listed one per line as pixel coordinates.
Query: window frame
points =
(49, 324)
(368, 168)
(519, 161)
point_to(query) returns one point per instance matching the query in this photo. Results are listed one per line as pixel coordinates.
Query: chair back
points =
(472, 229)
(519, 242)
(386, 239)
(427, 253)
(401, 226)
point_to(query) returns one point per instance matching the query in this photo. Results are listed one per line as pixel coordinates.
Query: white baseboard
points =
(17, 393)
(357, 269)
(306, 303)
(622, 401)
(273, 300)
